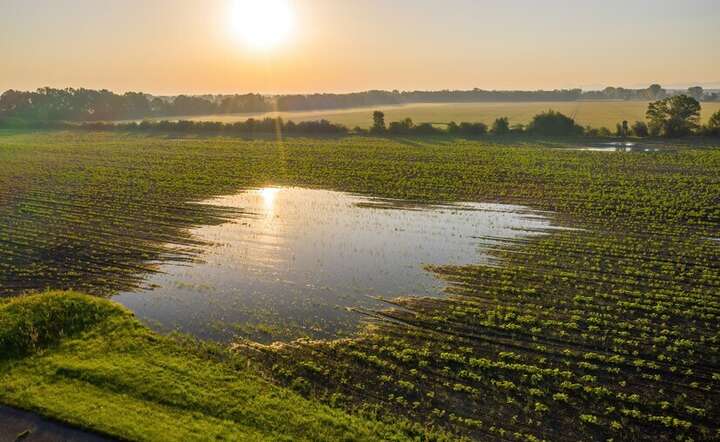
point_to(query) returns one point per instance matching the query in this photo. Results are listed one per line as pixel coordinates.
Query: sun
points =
(262, 24)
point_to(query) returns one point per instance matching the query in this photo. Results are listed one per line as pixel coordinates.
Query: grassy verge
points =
(88, 362)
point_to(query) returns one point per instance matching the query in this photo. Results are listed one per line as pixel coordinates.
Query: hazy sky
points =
(173, 46)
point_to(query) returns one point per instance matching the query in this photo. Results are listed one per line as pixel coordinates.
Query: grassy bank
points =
(87, 362)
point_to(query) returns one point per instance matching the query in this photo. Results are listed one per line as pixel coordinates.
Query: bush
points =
(36, 321)
(640, 129)
(553, 124)
(591, 131)
(469, 129)
(501, 126)
(403, 127)
(426, 129)
(604, 132)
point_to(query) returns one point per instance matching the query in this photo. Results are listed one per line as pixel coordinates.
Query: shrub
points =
(501, 126)
(640, 129)
(426, 129)
(36, 321)
(553, 123)
(403, 127)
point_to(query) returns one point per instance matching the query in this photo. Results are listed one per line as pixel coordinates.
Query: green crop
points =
(607, 330)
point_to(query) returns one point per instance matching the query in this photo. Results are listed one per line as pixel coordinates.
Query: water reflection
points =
(617, 147)
(300, 258)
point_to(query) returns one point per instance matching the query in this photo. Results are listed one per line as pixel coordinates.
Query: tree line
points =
(673, 116)
(49, 104)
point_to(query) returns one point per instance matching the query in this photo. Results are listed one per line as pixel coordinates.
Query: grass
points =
(93, 365)
(593, 113)
(610, 331)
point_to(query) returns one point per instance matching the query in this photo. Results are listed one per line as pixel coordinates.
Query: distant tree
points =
(591, 131)
(378, 126)
(501, 126)
(714, 121)
(403, 127)
(554, 124)
(655, 92)
(622, 129)
(696, 92)
(137, 105)
(472, 129)
(604, 132)
(674, 116)
(640, 129)
(425, 129)
(453, 128)
(713, 125)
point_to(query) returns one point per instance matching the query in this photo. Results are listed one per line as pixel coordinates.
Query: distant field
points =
(594, 113)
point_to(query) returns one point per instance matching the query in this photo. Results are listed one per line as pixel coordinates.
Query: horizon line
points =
(710, 85)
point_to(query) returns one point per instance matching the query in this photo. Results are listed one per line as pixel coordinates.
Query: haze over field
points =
(302, 46)
(596, 113)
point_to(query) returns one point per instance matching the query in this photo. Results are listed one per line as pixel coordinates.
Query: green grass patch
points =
(110, 374)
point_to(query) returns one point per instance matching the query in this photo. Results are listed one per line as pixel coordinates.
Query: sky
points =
(193, 46)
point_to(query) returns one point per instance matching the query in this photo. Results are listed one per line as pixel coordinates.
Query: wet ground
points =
(299, 261)
(619, 147)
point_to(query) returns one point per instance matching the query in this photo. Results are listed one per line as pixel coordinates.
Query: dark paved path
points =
(16, 425)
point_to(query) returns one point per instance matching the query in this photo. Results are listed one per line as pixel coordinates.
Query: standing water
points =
(300, 259)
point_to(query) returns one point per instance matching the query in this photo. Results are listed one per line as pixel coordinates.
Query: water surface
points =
(299, 260)
(618, 147)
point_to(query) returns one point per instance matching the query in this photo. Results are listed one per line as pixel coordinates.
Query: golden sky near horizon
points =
(299, 46)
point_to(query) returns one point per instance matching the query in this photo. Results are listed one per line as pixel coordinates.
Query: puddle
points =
(301, 259)
(617, 147)
(18, 425)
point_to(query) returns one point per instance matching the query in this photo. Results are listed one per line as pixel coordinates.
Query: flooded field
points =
(298, 260)
(630, 294)
(619, 147)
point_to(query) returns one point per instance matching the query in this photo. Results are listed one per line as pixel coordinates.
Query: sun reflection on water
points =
(269, 195)
(308, 257)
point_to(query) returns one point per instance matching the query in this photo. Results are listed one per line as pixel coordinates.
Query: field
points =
(606, 330)
(593, 113)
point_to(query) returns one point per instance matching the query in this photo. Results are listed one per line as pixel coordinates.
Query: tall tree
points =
(713, 126)
(655, 92)
(674, 116)
(696, 92)
(378, 126)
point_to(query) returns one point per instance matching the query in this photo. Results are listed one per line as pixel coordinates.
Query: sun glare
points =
(268, 195)
(262, 24)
